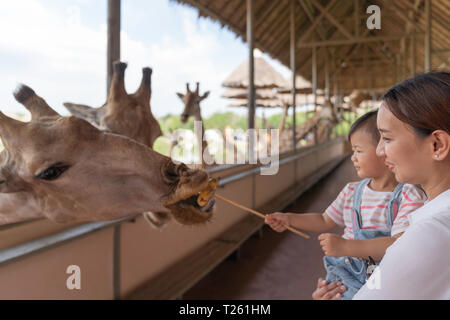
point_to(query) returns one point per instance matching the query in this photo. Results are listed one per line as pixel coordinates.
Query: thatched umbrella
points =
(238, 93)
(265, 76)
(302, 86)
(266, 79)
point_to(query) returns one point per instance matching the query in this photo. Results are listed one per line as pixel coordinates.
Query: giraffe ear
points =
(180, 95)
(204, 96)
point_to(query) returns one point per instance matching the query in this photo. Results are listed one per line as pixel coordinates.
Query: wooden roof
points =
(361, 58)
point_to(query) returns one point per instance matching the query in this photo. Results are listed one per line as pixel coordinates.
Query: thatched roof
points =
(237, 93)
(301, 84)
(361, 58)
(259, 103)
(265, 76)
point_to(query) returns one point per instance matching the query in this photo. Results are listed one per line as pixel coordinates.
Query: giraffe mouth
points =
(184, 118)
(202, 200)
(196, 208)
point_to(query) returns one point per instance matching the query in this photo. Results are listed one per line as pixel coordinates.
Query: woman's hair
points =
(368, 122)
(423, 102)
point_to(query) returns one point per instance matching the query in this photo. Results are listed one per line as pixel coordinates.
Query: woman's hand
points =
(277, 221)
(325, 291)
(333, 245)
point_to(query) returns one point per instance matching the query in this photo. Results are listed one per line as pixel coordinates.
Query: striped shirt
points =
(374, 208)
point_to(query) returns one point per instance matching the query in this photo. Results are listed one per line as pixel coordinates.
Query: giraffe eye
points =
(53, 172)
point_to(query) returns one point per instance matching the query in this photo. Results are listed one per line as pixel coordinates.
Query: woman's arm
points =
(414, 267)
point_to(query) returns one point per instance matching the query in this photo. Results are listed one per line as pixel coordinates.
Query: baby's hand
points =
(332, 244)
(277, 221)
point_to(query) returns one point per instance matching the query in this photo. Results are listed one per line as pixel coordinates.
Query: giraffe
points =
(65, 169)
(191, 102)
(126, 114)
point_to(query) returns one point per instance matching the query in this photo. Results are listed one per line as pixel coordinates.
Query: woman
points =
(414, 122)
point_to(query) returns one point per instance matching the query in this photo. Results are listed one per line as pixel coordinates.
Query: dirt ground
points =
(278, 265)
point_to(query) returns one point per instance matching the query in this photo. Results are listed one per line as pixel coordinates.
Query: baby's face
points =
(364, 158)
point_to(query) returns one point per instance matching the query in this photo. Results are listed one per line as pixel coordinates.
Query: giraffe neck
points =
(198, 117)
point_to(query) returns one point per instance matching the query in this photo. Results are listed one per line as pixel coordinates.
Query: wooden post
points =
(327, 79)
(113, 54)
(428, 18)
(413, 54)
(251, 70)
(314, 86)
(113, 39)
(251, 84)
(356, 17)
(403, 57)
(292, 54)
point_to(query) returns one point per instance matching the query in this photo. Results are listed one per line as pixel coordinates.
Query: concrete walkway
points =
(277, 266)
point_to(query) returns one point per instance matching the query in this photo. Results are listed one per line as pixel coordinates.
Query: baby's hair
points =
(368, 122)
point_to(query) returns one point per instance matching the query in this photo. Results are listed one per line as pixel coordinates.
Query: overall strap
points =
(356, 209)
(394, 203)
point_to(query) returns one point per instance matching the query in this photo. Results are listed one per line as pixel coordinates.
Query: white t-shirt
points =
(417, 265)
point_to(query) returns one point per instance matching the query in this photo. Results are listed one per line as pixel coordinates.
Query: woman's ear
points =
(441, 144)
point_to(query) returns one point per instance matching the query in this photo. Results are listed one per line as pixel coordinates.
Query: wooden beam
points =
(356, 21)
(413, 55)
(292, 54)
(345, 42)
(316, 22)
(320, 31)
(441, 55)
(231, 26)
(251, 71)
(327, 79)
(267, 10)
(113, 54)
(280, 27)
(379, 54)
(280, 16)
(332, 19)
(314, 87)
(428, 18)
(400, 13)
(308, 60)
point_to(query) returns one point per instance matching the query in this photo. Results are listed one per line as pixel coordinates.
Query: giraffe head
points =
(191, 102)
(65, 169)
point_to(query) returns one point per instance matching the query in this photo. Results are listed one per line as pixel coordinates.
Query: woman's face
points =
(405, 153)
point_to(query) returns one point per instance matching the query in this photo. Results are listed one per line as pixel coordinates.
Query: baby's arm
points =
(314, 222)
(335, 246)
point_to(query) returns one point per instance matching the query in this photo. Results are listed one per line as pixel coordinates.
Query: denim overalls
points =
(350, 271)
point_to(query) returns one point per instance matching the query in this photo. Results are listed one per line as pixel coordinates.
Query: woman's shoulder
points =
(435, 211)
